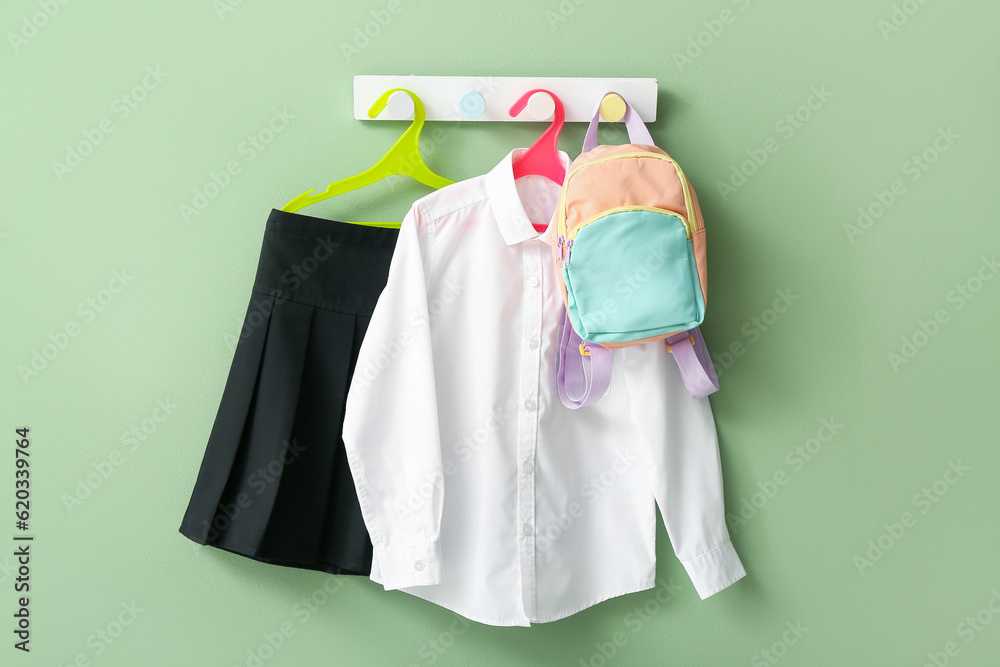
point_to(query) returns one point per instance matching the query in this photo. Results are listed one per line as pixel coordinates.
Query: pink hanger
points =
(542, 158)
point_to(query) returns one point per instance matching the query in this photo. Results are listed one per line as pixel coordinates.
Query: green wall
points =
(889, 335)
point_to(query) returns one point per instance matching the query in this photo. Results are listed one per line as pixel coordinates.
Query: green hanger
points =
(403, 158)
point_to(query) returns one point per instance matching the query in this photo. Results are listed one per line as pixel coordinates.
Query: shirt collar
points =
(515, 226)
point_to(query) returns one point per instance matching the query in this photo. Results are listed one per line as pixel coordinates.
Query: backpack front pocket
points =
(630, 273)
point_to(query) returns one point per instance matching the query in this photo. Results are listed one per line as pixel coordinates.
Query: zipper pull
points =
(559, 251)
(569, 251)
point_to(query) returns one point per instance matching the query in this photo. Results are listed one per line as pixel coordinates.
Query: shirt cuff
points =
(713, 571)
(403, 567)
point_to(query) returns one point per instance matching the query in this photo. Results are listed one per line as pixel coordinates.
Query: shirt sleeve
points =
(679, 438)
(391, 421)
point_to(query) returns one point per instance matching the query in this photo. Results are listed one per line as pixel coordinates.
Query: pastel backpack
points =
(630, 257)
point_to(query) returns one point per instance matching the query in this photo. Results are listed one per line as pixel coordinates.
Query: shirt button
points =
(533, 281)
(532, 343)
(418, 566)
(528, 530)
(527, 467)
(529, 405)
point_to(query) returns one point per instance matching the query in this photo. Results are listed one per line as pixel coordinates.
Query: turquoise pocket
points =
(631, 274)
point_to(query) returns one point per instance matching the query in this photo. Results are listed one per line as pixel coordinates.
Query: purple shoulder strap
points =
(694, 362)
(583, 370)
(637, 132)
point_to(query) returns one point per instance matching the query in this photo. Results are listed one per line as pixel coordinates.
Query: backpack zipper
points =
(561, 217)
(604, 214)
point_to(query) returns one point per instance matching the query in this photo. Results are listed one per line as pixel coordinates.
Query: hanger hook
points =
(418, 107)
(406, 150)
(558, 118)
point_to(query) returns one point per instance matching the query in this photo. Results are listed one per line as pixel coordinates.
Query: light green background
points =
(168, 335)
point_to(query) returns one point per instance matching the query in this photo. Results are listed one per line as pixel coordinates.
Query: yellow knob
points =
(612, 108)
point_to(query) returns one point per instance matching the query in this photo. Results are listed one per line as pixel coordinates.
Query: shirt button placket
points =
(528, 428)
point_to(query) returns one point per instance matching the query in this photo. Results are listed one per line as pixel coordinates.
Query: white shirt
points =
(481, 491)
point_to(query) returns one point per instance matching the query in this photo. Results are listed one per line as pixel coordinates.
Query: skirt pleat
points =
(206, 520)
(317, 510)
(268, 438)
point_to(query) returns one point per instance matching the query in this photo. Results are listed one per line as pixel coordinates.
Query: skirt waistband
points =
(332, 265)
(333, 231)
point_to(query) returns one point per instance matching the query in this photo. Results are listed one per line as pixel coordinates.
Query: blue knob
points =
(472, 105)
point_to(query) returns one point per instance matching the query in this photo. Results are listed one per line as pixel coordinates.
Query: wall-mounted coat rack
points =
(469, 98)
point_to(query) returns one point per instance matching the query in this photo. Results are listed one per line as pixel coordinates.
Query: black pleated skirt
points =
(274, 483)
